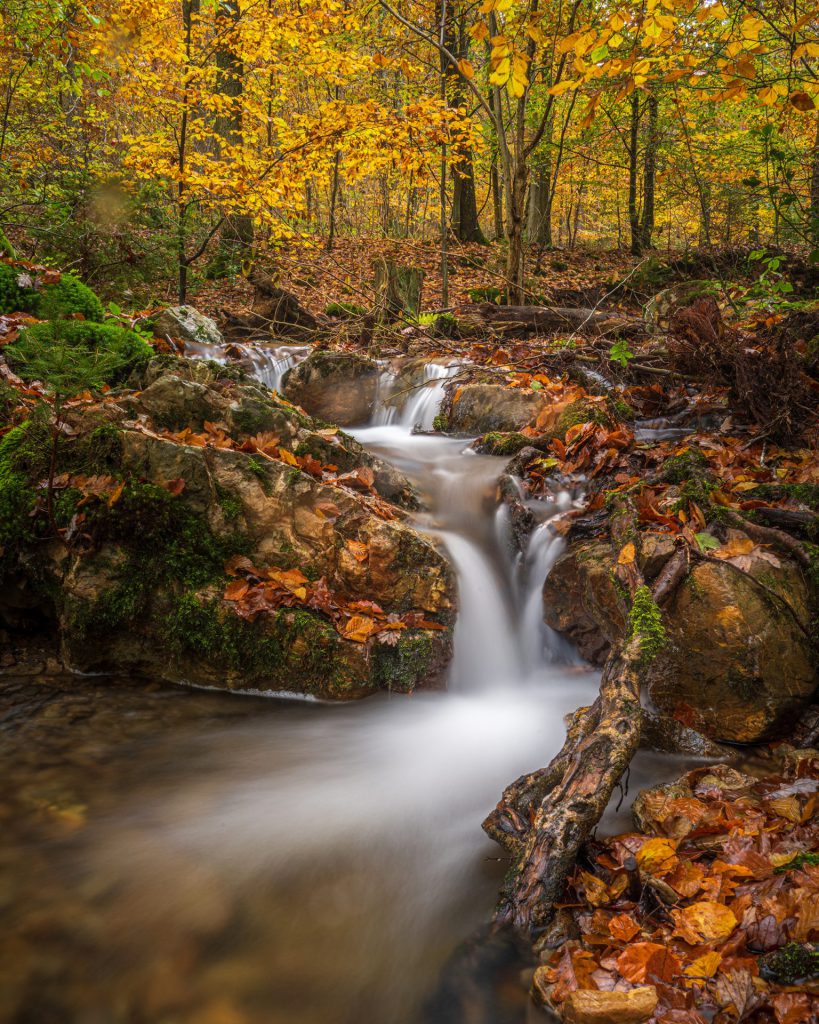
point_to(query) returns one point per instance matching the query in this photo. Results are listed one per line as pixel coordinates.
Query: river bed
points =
(201, 858)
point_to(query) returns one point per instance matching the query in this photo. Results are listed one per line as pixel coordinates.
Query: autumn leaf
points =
(705, 966)
(657, 856)
(359, 628)
(358, 550)
(705, 921)
(623, 927)
(236, 590)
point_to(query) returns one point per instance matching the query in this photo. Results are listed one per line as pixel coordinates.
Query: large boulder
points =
(338, 387)
(480, 408)
(187, 323)
(736, 666)
(163, 490)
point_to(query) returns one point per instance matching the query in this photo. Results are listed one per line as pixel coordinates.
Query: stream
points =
(200, 858)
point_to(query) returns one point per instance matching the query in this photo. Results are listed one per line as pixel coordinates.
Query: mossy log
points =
(515, 321)
(545, 817)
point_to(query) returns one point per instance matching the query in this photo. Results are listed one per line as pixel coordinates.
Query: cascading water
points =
(271, 862)
(415, 407)
(267, 362)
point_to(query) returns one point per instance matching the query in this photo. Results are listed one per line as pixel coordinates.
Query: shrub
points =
(116, 351)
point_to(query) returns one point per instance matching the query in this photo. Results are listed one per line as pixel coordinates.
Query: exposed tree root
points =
(545, 817)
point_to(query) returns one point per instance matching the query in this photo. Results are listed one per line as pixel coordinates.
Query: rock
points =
(337, 387)
(736, 667)
(580, 600)
(142, 592)
(632, 1007)
(483, 408)
(189, 324)
(659, 309)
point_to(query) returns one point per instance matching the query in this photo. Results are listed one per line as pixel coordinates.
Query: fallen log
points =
(515, 321)
(545, 817)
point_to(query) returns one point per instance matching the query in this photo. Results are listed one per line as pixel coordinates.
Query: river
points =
(182, 857)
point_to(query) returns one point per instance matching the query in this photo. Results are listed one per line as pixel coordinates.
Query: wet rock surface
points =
(479, 408)
(736, 667)
(187, 323)
(338, 387)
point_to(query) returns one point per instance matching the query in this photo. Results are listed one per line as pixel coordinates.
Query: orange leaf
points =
(358, 550)
(623, 927)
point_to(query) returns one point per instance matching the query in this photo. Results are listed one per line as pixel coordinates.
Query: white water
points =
(268, 362)
(341, 844)
(417, 408)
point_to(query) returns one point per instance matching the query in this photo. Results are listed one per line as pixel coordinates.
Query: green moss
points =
(580, 411)
(401, 667)
(790, 965)
(165, 546)
(798, 861)
(440, 423)
(495, 443)
(124, 350)
(17, 496)
(69, 296)
(619, 408)
(679, 468)
(344, 310)
(646, 623)
(231, 506)
(490, 293)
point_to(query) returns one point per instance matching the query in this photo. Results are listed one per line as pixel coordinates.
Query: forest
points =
(409, 511)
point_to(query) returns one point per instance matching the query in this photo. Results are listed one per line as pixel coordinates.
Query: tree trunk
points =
(397, 290)
(814, 191)
(650, 172)
(633, 213)
(465, 225)
(497, 198)
(237, 231)
(540, 204)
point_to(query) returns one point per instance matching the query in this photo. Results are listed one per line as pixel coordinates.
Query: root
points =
(544, 818)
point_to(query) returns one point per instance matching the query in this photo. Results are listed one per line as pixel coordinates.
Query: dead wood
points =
(769, 535)
(516, 321)
(276, 312)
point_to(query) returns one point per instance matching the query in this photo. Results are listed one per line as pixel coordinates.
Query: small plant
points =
(771, 283)
(621, 353)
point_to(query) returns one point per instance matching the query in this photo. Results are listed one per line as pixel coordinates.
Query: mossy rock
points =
(344, 310)
(21, 293)
(495, 443)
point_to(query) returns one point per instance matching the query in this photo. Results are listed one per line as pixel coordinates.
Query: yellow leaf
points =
(705, 921)
(627, 554)
(287, 457)
(705, 966)
(657, 856)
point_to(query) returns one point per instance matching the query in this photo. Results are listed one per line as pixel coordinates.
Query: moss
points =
(646, 623)
(440, 423)
(403, 666)
(17, 496)
(229, 503)
(164, 544)
(679, 468)
(256, 416)
(804, 494)
(798, 861)
(490, 293)
(344, 310)
(619, 408)
(790, 965)
(580, 411)
(67, 297)
(495, 443)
